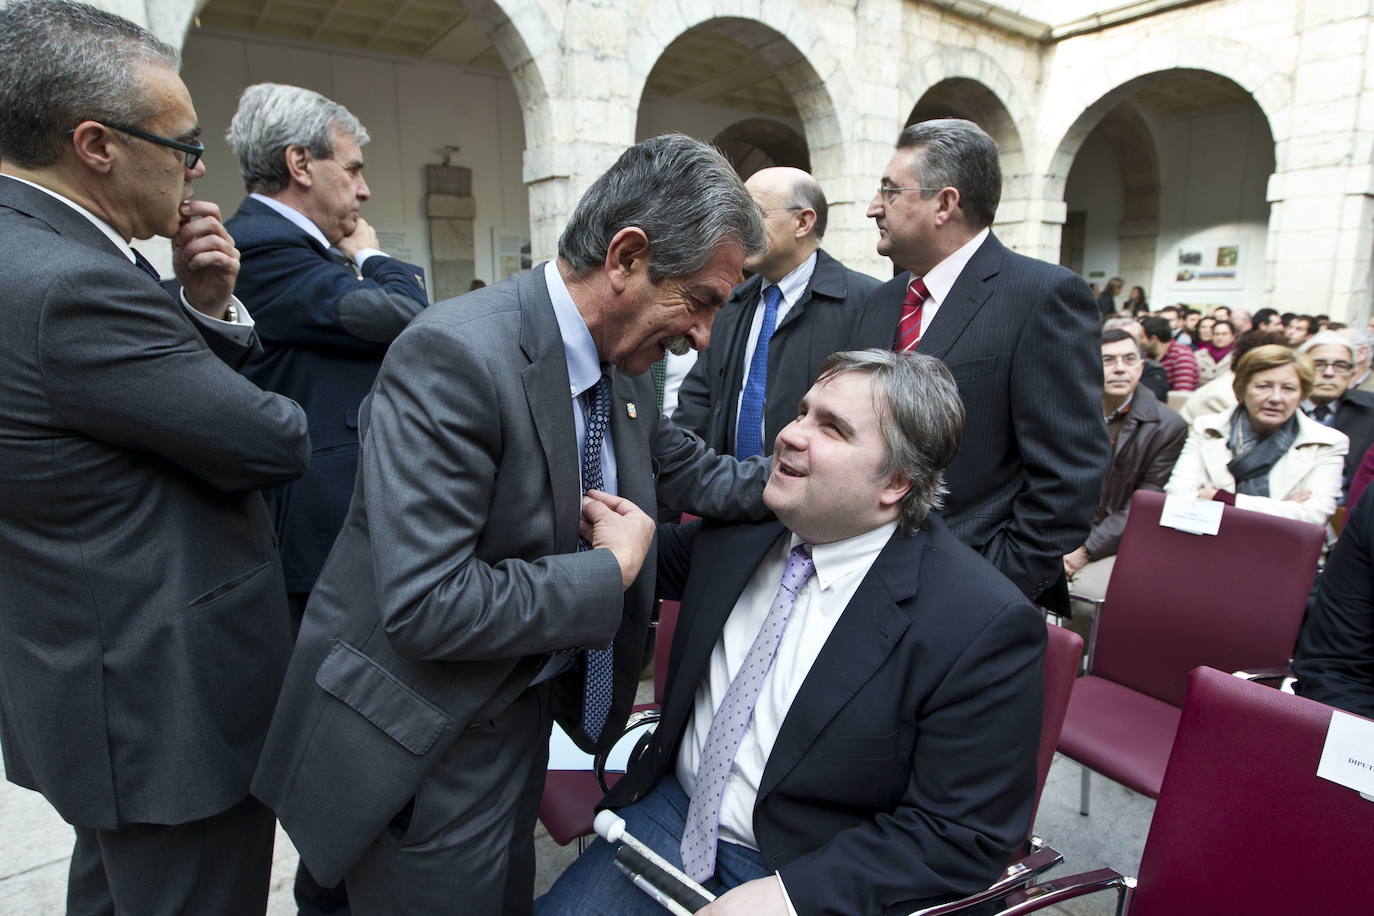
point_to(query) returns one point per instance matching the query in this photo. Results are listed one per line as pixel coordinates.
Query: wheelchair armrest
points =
(637, 719)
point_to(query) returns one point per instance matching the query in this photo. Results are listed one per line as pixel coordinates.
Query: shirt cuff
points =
(240, 330)
(786, 898)
(1225, 496)
(366, 253)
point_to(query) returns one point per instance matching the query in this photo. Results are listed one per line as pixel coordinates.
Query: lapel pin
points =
(630, 409)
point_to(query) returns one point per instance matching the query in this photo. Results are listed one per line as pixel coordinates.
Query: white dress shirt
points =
(307, 225)
(840, 568)
(941, 278)
(240, 330)
(791, 286)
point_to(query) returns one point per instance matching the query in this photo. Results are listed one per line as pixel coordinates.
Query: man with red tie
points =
(1021, 339)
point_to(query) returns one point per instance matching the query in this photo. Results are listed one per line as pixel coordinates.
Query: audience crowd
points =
(280, 540)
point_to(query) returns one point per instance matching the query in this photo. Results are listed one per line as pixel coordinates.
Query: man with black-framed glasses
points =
(1020, 337)
(1334, 402)
(143, 621)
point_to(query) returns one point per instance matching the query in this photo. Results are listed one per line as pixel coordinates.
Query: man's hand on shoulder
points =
(621, 527)
(760, 897)
(204, 258)
(364, 236)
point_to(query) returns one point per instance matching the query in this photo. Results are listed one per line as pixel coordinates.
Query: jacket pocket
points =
(381, 698)
(219, 591)
(973, 368)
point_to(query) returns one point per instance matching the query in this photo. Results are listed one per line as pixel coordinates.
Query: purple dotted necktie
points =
(701, 832)
(599, 681)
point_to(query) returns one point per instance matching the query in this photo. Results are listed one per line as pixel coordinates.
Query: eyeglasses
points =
(1125, 359)
(1340, 365)
(889, 194)
(193, 151)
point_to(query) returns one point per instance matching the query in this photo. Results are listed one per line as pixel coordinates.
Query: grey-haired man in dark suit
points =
(409, 747)
(143, 622)
(1020, 337)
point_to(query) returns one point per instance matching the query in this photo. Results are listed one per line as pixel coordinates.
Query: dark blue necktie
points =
(145, 265)
(1324, 414)
(598, 685)
(749, 431)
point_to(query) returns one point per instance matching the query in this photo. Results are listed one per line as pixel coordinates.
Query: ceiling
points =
(1183, 92)
(702, 65)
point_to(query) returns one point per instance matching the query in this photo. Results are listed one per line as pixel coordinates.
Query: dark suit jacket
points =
(1147, 446)
(143, 623)
(820, 323)
(1355, 418)
(905, 768)
(324, 332)
(457, 571)
(1023, 342)
(1334, 661)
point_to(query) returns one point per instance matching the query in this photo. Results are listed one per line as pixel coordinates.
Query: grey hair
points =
(922, 419)
(272, 117)
(1328, 339)
(62, 63)
(959, 154)
(806, 192)
(685, 196)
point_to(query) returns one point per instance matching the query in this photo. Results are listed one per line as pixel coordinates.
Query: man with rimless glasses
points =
(143, 620)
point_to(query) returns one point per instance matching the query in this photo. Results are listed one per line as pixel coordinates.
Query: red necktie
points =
(909, 328)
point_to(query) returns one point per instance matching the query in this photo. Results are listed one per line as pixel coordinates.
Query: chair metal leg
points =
(1084, 783)
(583, 842)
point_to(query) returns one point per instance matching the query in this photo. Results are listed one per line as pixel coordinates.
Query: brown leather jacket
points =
(1147, 445)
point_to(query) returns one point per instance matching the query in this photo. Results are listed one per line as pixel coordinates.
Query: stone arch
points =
(968, 66)
(787, 43)
(755, 143)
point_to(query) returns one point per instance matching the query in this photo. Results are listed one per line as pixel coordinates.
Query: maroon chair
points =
(568, 805)
(1243, 823)
(1176, 601)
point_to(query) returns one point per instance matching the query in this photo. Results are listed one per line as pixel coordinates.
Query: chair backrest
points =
(1243, 823)
(663, 645)
(1178, 600)
(1063, 654)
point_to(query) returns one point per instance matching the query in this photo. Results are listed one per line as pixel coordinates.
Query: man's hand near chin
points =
(760, 897)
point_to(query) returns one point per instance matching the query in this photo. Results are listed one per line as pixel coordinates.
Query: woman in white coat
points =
(1265, 454)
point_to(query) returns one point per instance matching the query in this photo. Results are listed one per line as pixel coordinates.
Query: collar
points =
(840, 559)
(96, 221)
(301, 221)
(794, 284)
(1308, 405)
(941, 278)
(1122, 410)
(584, 362)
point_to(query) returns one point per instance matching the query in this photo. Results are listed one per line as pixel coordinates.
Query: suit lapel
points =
(727, 559)
(58, 216)
(861, 641)
(968, 295)
(548, 394)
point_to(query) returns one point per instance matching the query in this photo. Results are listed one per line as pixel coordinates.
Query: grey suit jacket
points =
(821, 322)
(457, 571)
(143, 622)
(1021, 338)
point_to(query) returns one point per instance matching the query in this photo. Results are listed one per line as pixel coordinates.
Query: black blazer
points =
(820, 323)
(143, 623)
(324, 332)
(904, 771)
(1023, 341)
(1355, 418)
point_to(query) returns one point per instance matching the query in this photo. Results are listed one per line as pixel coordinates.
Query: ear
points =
(95, 146)
(627, 254)
(895, 491)
(298, 165)
(806, 221)
(948, 207)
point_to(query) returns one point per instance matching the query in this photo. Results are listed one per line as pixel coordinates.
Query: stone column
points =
(450, 206)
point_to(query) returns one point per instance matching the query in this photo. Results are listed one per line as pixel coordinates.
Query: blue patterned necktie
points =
(599, 681)
(749, 431)
(702, 829)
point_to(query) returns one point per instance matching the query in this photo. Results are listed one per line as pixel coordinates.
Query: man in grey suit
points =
(746, 385)
(1020, 337)
(409, 746)
(143, 622)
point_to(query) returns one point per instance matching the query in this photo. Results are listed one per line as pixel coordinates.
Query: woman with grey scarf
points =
(1265, 454)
